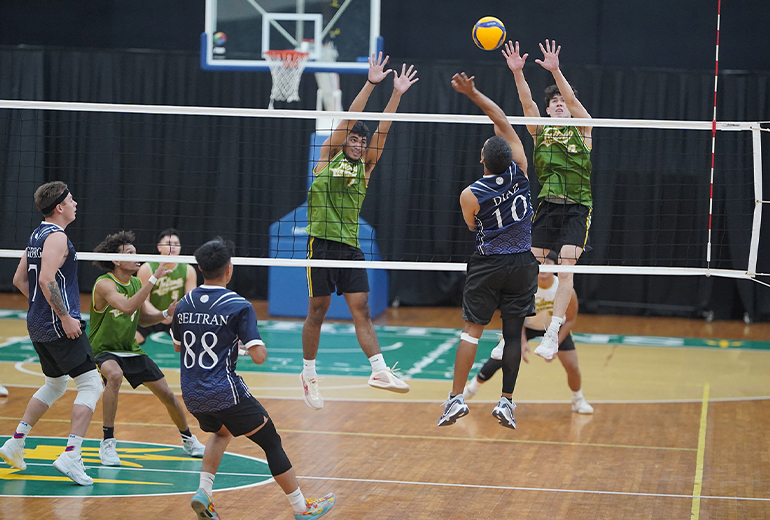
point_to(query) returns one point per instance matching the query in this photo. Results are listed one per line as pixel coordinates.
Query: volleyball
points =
(489, 33)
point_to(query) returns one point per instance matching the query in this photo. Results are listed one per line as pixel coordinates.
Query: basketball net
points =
(286, 69)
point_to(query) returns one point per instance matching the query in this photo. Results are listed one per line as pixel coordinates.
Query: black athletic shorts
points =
(505, 282)
(555, 225)
(159, 327)
(565, 345)
(66, 356)
(240, 419)
(136, 369)
(322, 281)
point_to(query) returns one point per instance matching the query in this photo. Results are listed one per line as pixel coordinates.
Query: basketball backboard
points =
(238, 32)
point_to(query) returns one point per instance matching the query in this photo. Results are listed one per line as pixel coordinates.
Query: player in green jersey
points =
(334, 204)
(563, 164)
(172, 287)
(119, 303)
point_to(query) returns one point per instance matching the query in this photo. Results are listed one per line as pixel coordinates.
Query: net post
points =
(756, 140)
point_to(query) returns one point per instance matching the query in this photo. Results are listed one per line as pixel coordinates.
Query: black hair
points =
(497, 155)
(112, 244)
(360, 128)
(167, 233)
(553, 256)
(552, 91)
(214, 256)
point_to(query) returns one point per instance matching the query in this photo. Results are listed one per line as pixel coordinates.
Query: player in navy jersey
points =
(47, 276)
(502, 272)
(208, 324)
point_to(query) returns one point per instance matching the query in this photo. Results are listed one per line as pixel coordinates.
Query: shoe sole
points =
(108, 464)
(544, 356)
(304, 396)
(67, 474)
(202, 510)
(396, 389)
(502, 419)
(453, 418)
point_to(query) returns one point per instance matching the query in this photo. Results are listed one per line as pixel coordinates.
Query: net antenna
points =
(286, 68)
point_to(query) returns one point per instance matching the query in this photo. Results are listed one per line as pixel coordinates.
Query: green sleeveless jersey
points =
(334, 200)
(563, 164)
(111, 330)
(168, 288)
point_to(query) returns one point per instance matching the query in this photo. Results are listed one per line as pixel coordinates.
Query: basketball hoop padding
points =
(286, 68)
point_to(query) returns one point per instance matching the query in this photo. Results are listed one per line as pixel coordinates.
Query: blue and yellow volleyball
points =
(489, 33)
(220, 39)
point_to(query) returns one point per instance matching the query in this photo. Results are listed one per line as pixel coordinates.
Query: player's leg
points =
(202, 502)
(511, 362)
(175, 409)
(455, 407)
(491, 366)
(382, 376)
(569, 359)
(311, 336)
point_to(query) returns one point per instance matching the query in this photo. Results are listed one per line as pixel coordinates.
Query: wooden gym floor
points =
(677, 433)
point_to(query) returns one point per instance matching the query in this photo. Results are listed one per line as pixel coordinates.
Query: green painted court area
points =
(421, 352)
(147, 469)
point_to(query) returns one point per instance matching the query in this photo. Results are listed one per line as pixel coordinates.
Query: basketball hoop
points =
(286, 69)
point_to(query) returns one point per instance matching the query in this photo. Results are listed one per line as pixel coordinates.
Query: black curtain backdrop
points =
(133, 173)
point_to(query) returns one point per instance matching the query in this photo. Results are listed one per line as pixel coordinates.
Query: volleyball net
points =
(243, 174)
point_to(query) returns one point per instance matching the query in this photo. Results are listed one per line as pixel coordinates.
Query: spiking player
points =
(563, 163)
(118, 305)
(333, 206)
(502, 272)
(208, 324)
(47, 275)
(171, 287)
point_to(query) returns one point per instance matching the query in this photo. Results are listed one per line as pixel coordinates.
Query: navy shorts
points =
(66, 356)
(240, 419)
(322, 281)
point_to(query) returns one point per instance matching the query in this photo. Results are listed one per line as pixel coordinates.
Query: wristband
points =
(165, 313)
(153, 280)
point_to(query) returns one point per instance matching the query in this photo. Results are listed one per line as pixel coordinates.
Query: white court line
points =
(430, 357)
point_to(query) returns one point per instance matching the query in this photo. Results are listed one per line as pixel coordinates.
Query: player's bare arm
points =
(55, 251)
(152, 316)
(192, 279)
(20, 277)
(401, 84)
(550, 62)
(465, 85)
(333, 144)
(258, 354)
(516, 62)
(470, 207)
(106, 293)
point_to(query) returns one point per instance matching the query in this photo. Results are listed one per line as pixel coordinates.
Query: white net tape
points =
(286, 69)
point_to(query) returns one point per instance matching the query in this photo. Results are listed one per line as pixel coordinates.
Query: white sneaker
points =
(497, 352)
(388, 380)
(12, 453)
(503, 412)
(3, 391)
(549, 346)
(454, 408)
(582, 406)
(73, 468)
(310, 392)
(193, 447)
(108, 452)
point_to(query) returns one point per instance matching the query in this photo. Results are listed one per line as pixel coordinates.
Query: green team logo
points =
(147, 469)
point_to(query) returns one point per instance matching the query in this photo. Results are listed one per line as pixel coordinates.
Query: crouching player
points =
(208, 324)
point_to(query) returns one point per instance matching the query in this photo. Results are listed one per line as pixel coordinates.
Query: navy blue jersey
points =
(208, 324)
(504, 220)
(42, 322)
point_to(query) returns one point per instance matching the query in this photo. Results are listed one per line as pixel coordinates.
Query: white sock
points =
(207, 482)
(308, 368)
(475, 384)
(74, 444)
(297, 500)
(378, 362)
(577, 395)
(22, 430)
(555, 323)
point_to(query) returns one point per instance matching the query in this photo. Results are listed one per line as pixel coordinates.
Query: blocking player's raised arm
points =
(550, 62)
(516, 63)
(334, 142)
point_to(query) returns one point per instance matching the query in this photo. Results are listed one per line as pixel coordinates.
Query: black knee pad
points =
(269, 440)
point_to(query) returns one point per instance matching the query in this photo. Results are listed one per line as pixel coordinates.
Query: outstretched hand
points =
(512, 57)
(463, 84)
(407, 78)
(550, 59)
(376, 66)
